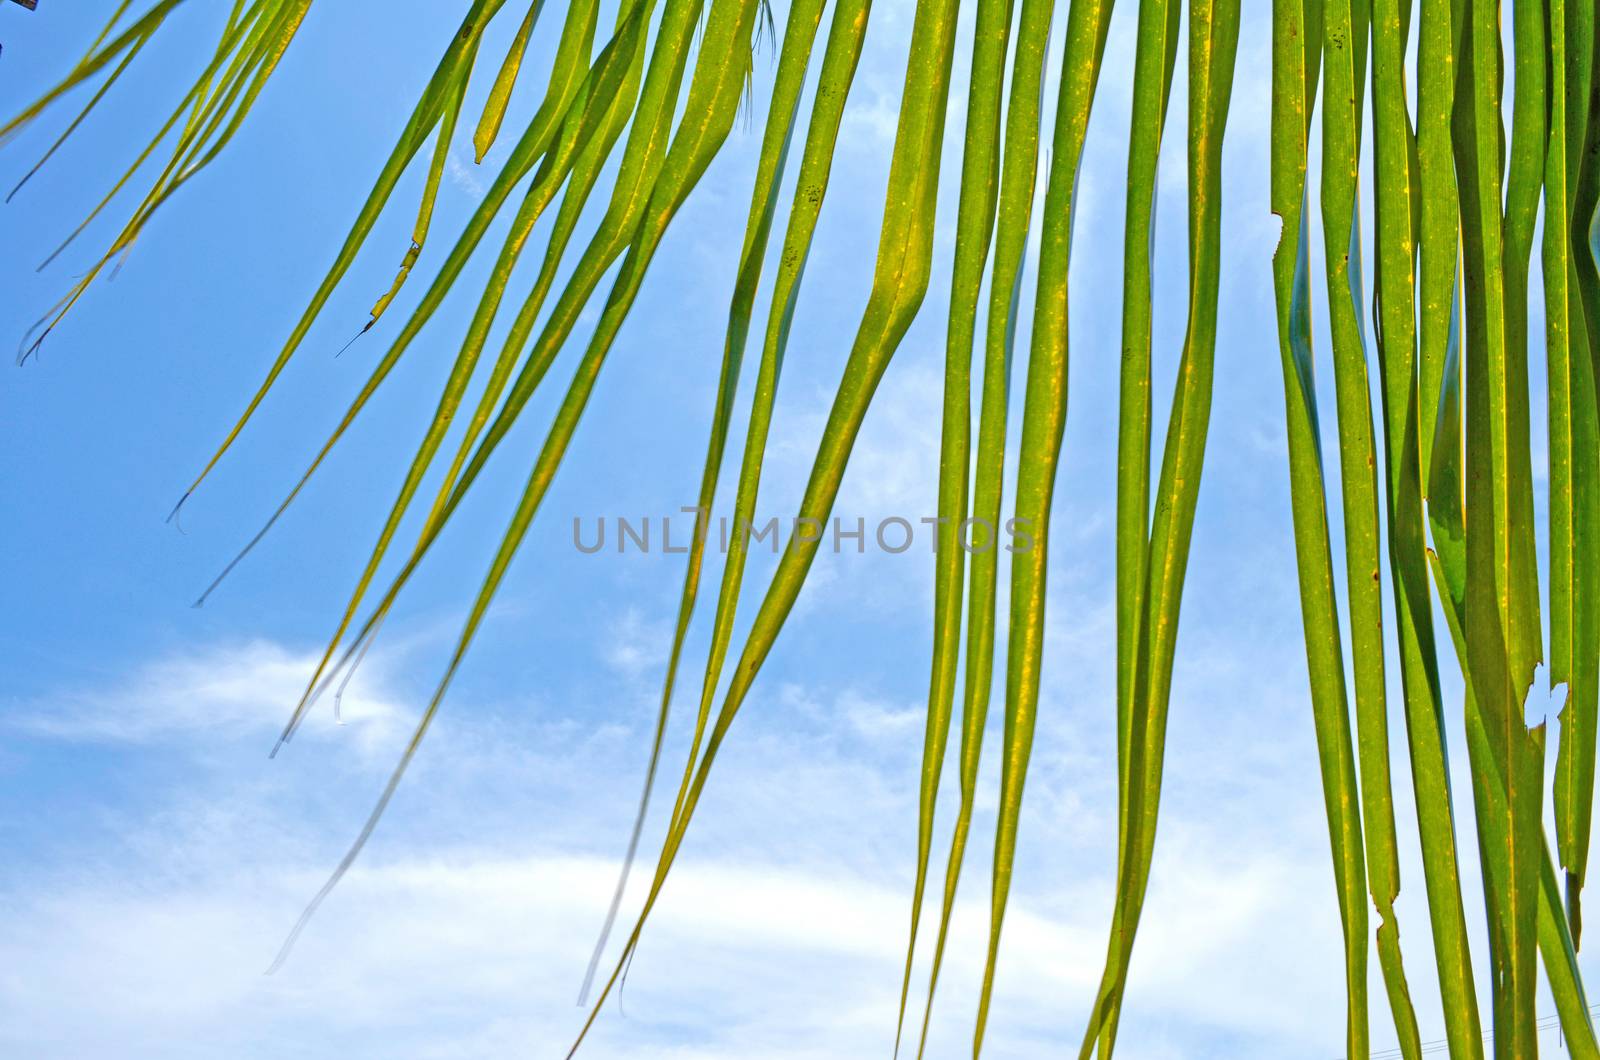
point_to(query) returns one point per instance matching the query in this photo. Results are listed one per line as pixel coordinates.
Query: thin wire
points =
(1442, 1045)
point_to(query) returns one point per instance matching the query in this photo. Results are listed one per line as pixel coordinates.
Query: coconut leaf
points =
(1457, 207)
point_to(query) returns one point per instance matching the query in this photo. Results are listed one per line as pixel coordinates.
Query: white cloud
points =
(464, 178)
(465, 929)
(230, 690)
(636, 646)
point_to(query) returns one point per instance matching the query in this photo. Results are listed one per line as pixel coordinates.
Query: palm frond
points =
(1446, 504)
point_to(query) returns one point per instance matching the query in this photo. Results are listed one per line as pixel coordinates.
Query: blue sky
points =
(154, 856)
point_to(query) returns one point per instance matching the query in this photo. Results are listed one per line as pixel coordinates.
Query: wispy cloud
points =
(465, 929)
(465, 177)
(225, 691)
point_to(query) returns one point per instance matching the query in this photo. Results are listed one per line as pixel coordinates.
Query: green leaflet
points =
(1344, 63)
(671, 174)
(1155, 53)
(1213, 44)
(839, 61)
(1448, 561)
(1438, 317)
(1586, 199)
(1523, 180)
(1043, 421)
(494, 110)
(456, 94)
(569, 108)
(1044, 418)
(640, 162)
(1438, 243)
(1403, 221)
(833, 85)
(441, 86)
(794, 60)
(1574, 437)
(975, 221)
(1297, 49)
(1489, 789)
(1018, 180)
(596, 113)
(1561, 966)
(905, 251)
(98, 58)
(105, 86)
(1496, 606)
(256, 44)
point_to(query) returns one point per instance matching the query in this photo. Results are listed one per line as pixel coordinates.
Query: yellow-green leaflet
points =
(1399, 176)
(1447, 560)
(593, 145)
(111, 24)
(595, 102)
(975, 219)
(1155, 53)
(594, 115)
(1044, 418)
(1569, 268)
(601, 101)
(105, 86)
(564, 94)
(456, 94)
(98, 58)
(1501, 646)
(598, 111)
(905, 249)
(448, 79)
(839, 62)
(1018, 178)
(1297, 50)
(255, 43)
(494, 111)
(794, 60)
(1347, 23)
(1213, 45)
(714, 101)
